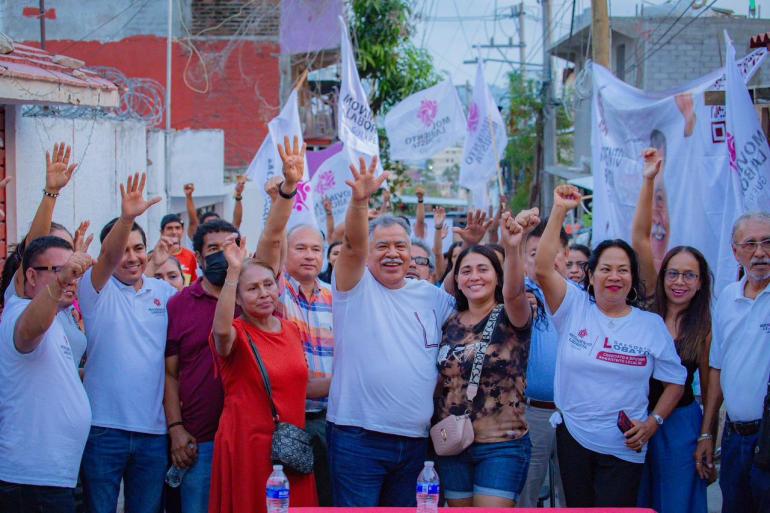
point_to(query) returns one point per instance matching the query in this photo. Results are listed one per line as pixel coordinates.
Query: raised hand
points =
(81, 241)
(653, 163)
(476, 226)
(364, 182)
(58, 169)
(293, 159)
(189, 189)
(133, 203)
(566, 197)
(75, 267)
(235, 253)
(327, 205)
(420, 193)
(240, 184)
(439, 217)
(512, 232)
(271, 187)
(162, 251)
(528, 219)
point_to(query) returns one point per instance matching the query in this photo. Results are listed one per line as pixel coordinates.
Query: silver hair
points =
(387, 221)
(421, 244)
(302, 227)
(750, 216)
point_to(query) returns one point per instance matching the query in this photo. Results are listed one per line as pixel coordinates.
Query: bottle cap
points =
(428, 463)
(277, 467)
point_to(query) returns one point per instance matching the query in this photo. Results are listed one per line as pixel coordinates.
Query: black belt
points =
(543, 405)
(745, 428)
(313, 415)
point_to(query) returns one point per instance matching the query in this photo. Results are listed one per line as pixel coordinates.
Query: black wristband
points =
(174, 424)
(50, 194)
(237, 198)
(284, 195)
(420, 200)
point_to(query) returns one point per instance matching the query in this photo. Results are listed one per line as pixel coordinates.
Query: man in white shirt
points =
(387, 333)
(740, 372)
(44, 411)
(126, 323)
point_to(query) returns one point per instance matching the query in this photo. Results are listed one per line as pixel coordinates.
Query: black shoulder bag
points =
(291, 445)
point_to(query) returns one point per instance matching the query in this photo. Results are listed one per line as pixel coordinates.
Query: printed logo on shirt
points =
(159, 308)
(623, 354)
(583, 333)
(579, 341)
(765, 326)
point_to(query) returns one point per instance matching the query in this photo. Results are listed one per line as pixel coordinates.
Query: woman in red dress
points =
(242, 461)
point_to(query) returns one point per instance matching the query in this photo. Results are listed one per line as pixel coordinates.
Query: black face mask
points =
(216, 268)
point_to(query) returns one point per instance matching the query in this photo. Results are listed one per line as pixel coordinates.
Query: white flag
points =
(267, 163)
(748, 151)
(486, 139)
(425, 123)
(356, 126)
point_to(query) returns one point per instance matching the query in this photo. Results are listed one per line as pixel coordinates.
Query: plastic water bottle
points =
(277, 491)
(175, 475)
(427, 489)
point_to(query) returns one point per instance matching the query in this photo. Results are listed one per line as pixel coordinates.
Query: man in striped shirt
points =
(308, 302)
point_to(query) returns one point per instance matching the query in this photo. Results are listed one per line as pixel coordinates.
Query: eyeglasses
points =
(422, 261)
(688, 276)
(50, 268)
(752, 245)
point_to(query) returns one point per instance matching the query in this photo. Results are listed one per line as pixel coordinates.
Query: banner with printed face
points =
(356, 126)
(486, 138)
(267, 163)
(425, 123)
(689, 206)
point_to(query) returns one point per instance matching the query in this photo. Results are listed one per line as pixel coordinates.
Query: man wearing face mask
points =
(193, 395)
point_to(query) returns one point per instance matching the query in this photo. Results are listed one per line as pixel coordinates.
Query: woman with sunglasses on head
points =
(492, 470)
(608, 350)
(682, 297)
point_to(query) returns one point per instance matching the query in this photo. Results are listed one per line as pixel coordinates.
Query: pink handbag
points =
(454, 434)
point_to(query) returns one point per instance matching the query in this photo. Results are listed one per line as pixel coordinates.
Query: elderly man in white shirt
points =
(740, 369)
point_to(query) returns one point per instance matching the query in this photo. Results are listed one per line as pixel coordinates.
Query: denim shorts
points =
(496, 470)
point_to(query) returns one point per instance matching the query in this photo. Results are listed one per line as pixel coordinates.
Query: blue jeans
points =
(139, 459)
(197, 481)
(372, 469)
(745, 488)
(495, 470)
(20, 498)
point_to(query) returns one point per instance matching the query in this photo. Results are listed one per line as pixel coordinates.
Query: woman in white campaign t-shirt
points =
(608, 350)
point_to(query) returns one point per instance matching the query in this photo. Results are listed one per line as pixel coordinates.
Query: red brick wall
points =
(241, 99)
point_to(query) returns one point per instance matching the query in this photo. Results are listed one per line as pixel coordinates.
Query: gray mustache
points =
(392, 261)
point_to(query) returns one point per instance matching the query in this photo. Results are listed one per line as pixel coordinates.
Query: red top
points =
(189, 265)
(242, 445)
(190, 316)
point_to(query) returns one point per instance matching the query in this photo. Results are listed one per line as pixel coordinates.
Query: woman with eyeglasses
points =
(682, 297)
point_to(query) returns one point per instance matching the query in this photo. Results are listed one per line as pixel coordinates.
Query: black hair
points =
(637, 294)
(539, 315)
(695, 326)
(540, 228)
(581, 248)
(331, 247)
(460, 299)
(202, 218)
(40, 246)
(108, 227)
(448, 260)
(215, 226)
(497, 248)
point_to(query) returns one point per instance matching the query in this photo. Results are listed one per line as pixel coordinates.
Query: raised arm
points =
(419, 225)
(439, 232)
(160, 254)
(58, 172)
(476, 225)
(516, 302)
(565, 198)
(642, 226)
(222, 329)
(355, 246)
(192, 213)
(329, 220)
(41, 312)
(133, 205)
(493, 236)
(271, 241)
(240, 185)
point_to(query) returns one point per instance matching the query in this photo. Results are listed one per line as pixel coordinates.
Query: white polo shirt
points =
(386, 342)
(44, 411)
(740, 347)
(125, 367)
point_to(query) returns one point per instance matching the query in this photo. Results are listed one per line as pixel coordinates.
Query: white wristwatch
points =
(658, 419)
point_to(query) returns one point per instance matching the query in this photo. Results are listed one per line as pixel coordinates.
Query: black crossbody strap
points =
(265, 377)
(481, 353)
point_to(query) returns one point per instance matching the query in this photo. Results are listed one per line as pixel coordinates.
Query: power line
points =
(105, 23)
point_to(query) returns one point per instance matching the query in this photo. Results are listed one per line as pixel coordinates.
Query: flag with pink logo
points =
(267, 163)
(486, 138)
(425, 123)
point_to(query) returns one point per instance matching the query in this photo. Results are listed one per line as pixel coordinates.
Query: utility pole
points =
(549, 116)
(600, 26)
(522, 40)
(42, 24)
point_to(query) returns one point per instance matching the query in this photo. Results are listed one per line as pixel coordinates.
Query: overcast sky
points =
(449, 41)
